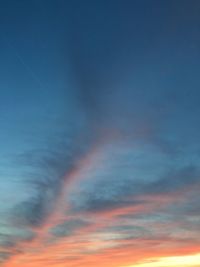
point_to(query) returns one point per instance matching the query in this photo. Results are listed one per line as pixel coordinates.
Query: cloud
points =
(31, 212)
(4, 256)
(176, 180)
(12, 242)
(111, 192)
(45, 172)
(68, 228)
(6, 241)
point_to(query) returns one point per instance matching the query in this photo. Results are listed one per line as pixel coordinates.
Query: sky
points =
(99, 133)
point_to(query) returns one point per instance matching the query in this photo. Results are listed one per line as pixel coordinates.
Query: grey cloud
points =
(175, 180)
(108, 194)
(68, 228)
(188, 210)
(21, 235)
(4, 255)
(126, 231)
(31, 212)
(10, 243)
(6, 241)
(45, 171)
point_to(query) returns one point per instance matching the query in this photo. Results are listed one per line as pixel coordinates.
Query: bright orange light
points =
(182, 261)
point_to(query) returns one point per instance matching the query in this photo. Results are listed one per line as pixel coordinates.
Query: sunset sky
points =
(100, 133)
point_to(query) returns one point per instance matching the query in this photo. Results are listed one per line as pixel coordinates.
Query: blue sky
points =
(99, 118)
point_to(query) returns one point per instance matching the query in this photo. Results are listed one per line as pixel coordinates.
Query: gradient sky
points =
(99, 133)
